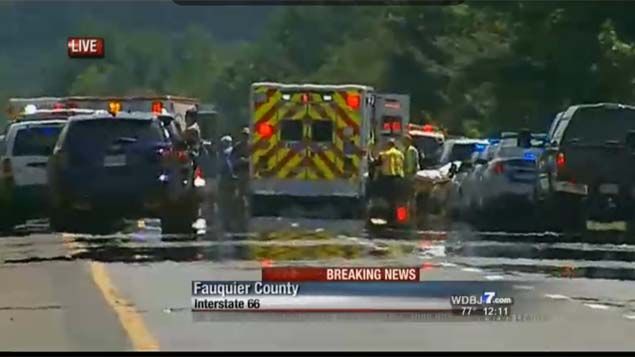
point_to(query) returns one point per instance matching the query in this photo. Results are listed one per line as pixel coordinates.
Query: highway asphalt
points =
(131, 290)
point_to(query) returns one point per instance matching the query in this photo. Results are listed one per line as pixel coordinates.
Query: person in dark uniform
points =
(241, 155)
(524, 139)
(226, 182)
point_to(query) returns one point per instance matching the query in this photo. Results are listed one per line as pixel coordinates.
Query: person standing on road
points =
(241, 155)
(392, 160)
(192, 132)
(524, 138)
(391, 171)
(411, 168)
(411, 157)
(226, 180)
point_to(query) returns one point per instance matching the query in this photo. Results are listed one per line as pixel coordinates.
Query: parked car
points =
(587, 172)
(129, 165)
(456, 158)
(505, 188)
(24, 153)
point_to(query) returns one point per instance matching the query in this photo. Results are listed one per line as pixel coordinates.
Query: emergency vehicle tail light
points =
(181, 156)
(114, 107)
(560, 160)
(305, 98)
(499, 168)
(353, 101)
(6, 167)
(428, 128)
(402, 213)
(157, 107)
(176, 155)
(265, 130)
(396, 126)
(199, 180)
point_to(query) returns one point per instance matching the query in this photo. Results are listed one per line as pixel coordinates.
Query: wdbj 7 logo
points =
(488, 298)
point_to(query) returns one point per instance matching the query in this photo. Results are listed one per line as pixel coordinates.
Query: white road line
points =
(448, 265)
(472, 270)
(494, 277)
(557, 297)
(523, 287)
(629, 316)
(597, 306)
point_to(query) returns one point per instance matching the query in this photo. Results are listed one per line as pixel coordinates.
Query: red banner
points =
(340, 274)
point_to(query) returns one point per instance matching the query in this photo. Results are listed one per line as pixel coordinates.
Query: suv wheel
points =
(71, 221)
(179, 220)
(7, 224)
(60, 220)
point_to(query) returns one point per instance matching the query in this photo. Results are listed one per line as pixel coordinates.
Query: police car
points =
(506, 180)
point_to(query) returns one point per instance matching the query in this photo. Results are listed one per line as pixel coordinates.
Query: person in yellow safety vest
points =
(392, 160)
(411, 158)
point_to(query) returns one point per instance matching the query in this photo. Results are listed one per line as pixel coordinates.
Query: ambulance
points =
(310, 145)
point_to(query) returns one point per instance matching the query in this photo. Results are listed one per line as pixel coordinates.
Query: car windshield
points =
(88, 139)
(459, 152)
(429, 146)
(103, 132)
(596, 126)
(535, 142)
(36, 141)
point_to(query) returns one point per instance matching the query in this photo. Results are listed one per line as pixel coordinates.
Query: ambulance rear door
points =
(334, 123)
(392, 116)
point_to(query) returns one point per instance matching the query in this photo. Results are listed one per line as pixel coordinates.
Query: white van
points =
(24, 154)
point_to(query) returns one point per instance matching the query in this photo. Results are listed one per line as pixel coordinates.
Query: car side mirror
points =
(453, 169)
(166, 119)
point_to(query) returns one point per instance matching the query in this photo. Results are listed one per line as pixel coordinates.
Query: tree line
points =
(475, 68)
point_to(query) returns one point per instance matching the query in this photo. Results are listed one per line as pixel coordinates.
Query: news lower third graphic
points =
(353, 290)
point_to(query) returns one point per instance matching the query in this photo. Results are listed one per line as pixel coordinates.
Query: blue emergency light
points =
(529, 156)
(479, 147)
(47, 131)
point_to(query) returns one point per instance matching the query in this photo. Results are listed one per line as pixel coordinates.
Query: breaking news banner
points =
(318, 2)
(309, 291)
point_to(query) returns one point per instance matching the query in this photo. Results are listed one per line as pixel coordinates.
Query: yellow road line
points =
(130, 319)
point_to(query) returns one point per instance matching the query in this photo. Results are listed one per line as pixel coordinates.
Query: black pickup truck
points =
(587, 174)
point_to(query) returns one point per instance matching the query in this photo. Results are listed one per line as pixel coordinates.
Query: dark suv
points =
(587, 173)
(130, 165)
